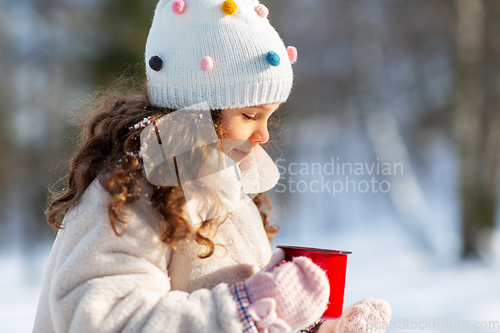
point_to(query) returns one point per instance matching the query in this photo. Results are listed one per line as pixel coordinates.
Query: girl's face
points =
(246, 128)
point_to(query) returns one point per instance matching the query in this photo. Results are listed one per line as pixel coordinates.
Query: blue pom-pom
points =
(273, 59)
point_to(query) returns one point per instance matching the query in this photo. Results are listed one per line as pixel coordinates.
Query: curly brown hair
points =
(109, 150)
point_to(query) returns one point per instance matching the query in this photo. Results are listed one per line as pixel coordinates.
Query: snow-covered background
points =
(375, 83)
(383, 264)
(412, 260)
(424, 280)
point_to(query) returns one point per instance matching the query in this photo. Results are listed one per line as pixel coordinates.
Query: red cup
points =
(334, 263)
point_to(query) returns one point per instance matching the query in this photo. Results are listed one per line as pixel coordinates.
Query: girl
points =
(149, 244)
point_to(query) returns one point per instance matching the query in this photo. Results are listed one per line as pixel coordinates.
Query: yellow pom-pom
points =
(229, 7)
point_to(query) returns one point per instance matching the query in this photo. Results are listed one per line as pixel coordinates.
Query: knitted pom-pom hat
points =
(225, 53)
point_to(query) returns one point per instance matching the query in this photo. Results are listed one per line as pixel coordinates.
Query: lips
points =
(241, 153)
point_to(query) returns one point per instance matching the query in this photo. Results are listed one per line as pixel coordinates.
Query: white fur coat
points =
(97, 281)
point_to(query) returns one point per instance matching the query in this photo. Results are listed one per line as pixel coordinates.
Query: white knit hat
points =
(225, 53)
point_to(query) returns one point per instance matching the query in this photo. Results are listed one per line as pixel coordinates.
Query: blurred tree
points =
(41, 47)
(355, 58)
(121, 29)
(5, 91)
(476, 121)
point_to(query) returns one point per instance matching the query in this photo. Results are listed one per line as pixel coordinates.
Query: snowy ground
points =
(20, 283)
(426, 295)
(420, 290)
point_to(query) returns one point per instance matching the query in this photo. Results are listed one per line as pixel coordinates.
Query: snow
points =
(383, 264)
(20, 284)
(415, 268)
(388, 259)
(421, 288)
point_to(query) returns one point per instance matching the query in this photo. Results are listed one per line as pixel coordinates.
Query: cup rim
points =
(314, 249)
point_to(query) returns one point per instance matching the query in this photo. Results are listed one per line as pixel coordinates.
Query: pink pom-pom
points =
(262, 10)
(206, 64)
(292, 54)
(178, 7)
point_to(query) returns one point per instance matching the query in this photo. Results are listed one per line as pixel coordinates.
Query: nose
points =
(260, 134)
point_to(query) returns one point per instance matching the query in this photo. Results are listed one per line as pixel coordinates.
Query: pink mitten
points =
(288, 297)
(366, 316)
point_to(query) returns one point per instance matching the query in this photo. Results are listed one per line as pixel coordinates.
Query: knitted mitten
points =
(366, 316)
(288, 297)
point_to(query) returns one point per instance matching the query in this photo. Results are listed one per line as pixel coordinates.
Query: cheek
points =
(234, 133)
(233, 130)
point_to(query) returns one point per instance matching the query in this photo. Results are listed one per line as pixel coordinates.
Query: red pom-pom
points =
(292, 54)
(178, 7)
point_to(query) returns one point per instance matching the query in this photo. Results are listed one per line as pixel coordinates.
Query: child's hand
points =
(289, 296)
(366, 316)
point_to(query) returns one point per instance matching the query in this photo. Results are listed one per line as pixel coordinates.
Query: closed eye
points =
(248, 117)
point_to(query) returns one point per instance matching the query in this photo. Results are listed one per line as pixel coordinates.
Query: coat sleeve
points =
(108, 283)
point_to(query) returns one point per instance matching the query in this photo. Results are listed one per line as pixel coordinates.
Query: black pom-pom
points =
(155, 63)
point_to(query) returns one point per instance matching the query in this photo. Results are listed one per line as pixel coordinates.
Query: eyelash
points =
(248, 117)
